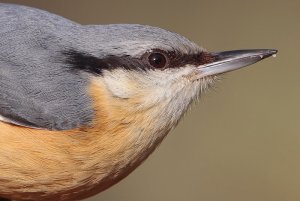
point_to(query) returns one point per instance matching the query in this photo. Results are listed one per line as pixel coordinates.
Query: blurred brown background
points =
(242, 141)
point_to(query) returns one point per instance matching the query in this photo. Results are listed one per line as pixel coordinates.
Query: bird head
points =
(150, 68)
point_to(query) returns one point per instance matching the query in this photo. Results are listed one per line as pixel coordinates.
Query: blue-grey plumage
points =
(81, 106)
(35, 85)
(31, 55)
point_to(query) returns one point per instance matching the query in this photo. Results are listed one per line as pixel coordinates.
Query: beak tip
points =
(269, 52)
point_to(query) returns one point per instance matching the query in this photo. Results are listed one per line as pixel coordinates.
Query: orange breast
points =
(66, 165)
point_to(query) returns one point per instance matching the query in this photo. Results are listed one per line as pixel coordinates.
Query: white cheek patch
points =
(153, 87)
(153, 84)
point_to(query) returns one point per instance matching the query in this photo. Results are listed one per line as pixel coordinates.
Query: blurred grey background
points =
(242, 141)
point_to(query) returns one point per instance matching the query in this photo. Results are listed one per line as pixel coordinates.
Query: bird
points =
(81, 106)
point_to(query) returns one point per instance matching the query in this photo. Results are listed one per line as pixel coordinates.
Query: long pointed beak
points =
(233, 60)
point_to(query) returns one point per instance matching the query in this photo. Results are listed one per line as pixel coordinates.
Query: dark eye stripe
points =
(180, 60)
(77, 60)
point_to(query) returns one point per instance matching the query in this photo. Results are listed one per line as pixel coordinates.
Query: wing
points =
(36, 87)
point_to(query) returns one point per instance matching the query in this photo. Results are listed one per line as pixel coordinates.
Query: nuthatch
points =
(82, 106)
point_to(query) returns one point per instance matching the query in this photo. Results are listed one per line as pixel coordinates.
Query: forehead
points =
(133, 39)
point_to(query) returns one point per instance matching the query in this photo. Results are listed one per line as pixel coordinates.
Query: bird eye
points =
(157, 60)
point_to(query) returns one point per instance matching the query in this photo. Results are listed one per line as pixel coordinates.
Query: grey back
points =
(36, 89)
